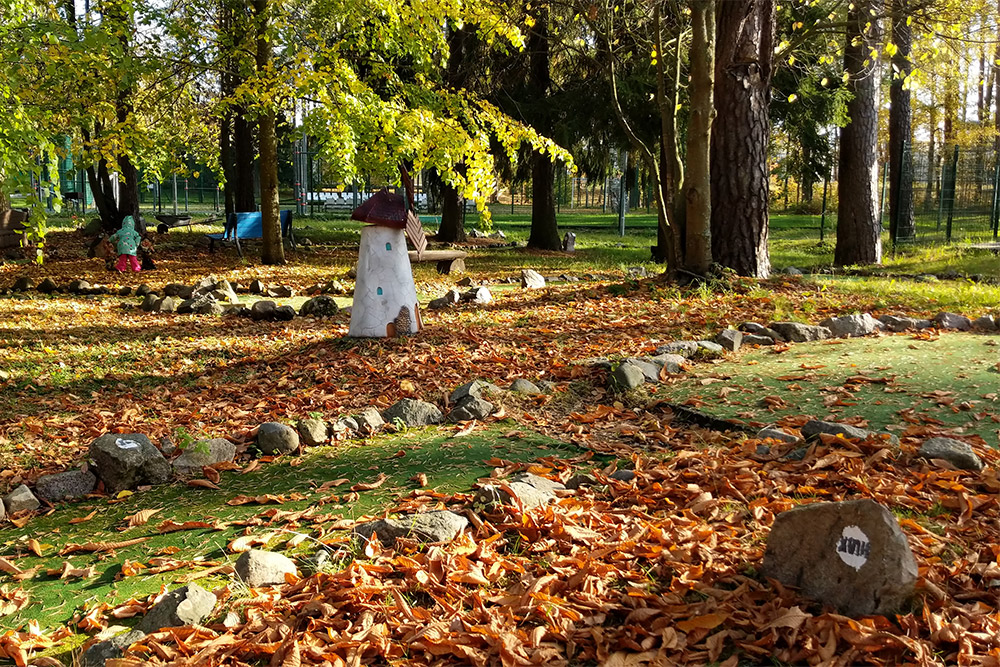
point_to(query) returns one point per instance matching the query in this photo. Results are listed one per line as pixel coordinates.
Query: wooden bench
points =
(448, 261)
(13, 228)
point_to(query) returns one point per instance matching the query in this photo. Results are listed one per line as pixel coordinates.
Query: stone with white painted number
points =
(850, 555)
(126, 460)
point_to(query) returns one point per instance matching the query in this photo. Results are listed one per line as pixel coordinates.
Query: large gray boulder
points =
(814, 427)
(276, 438)
(522, 386)
(478, 295)
(263, 568)
(899, 323)
(319, 306)
(761, 330)
(68, 485)
(475, 388)
(626, 377)
(953, 321)
(21, 499)
(773, 433)
(797, 332)
(531, 279)
(984, 323)
(427, 527)
(683, 348)
(168, 304)
(754, 339)
(471, 408)
(204, 453)
(412, 412)
(124, 461)
(189, 605)
(852, 325)
(530, 490)
(100, 653)
(313, 432)
(850, 555)
(955, 452)
(650, 369)
(729, 339)
(673, 363)
(369, 420)
(263, 311)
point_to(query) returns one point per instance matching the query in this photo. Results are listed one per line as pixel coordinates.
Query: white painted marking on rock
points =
(126, 444)
(854, 547)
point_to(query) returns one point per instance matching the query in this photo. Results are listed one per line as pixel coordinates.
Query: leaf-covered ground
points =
(659, 572)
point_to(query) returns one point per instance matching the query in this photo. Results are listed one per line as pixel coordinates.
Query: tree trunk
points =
(460, 41)
(452, 229)
(740, 175)
(932, 122)
(243, 152)
(273, 251)
(544, 229)
(669, 178)
(859, 238)
(901, 221)
(698, 179)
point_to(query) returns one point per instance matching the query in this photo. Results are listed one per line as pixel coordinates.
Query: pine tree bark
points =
(859, 238)
(273, 251)
(698, 179)
(544, 229)
(901, 221)
(740, 134)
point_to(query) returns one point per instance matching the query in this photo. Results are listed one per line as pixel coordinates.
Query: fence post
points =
(941, 188)
(822, 217)
(881, 199)
(894, 213)
(952, 177)
(995, 214)
(621, 196)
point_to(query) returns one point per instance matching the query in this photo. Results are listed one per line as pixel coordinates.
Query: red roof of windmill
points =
(382, 208)
(388, 210)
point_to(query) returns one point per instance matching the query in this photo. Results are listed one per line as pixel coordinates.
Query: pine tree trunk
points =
(901, 221)
(740, 174)
(452, 229)
(273, 251)
(544, 230)
(698, 179)
(859, 239)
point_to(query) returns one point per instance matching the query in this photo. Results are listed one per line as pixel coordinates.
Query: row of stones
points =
(129, 460)
(955, 452)
(635, 371)
(209, 284)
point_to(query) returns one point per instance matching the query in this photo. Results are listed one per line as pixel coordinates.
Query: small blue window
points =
(379, 291)
(388, 246)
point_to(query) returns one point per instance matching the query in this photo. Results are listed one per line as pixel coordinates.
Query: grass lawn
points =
(887, 382)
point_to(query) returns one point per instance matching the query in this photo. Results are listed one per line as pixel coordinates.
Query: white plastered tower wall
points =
(384, 286)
